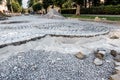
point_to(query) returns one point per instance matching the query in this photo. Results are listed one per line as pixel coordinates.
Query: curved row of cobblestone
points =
(11, 33)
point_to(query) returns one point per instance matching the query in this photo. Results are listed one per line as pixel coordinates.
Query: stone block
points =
(80, 55)
(115, 77)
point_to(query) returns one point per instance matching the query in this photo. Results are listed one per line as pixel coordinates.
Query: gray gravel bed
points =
(33, 27)
(42, 65)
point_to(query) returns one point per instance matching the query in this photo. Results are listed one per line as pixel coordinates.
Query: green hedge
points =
(110, 9)
(68, 11)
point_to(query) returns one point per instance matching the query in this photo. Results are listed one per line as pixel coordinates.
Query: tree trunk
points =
(60, 9)
(46, 11)
(89, 3)
(78, 9)
(11, 8)
(85, 3)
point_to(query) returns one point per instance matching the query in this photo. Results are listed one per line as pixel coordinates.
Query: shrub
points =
(68, 11)
(110, 9)
(37, 7)
(16, 7)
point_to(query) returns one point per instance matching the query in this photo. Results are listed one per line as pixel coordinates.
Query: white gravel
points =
(52, 58)
(39, 27)
(42, 65)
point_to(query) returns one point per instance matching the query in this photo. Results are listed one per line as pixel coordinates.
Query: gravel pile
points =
(53, 14)
(42, 65)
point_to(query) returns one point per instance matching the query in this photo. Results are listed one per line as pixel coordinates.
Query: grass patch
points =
(111, 18)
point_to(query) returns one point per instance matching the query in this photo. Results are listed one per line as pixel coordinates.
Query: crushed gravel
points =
(42, 65)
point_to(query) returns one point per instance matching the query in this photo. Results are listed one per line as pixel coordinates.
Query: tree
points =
(112, 2)
(59, 3)
(85, 3)
(32, 2)
(90, 1)
(37, 7)
(0, 1)
(9, 5)
(17, 1)
(16, 7)
(78, 3)
(96, 2)
(20, 2)
(68, 4)
(46, 4)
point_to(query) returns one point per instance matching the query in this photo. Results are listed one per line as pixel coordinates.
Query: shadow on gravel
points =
(14, 22)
